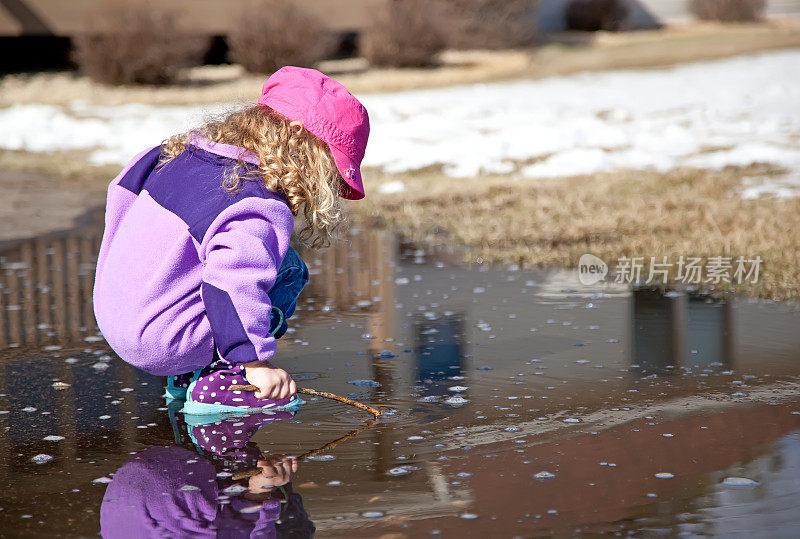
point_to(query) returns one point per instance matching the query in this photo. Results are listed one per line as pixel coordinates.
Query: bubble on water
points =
(53, 438)
(102, 480)
(126, 389)
(51, 348)
(582, 361)
(41, 458)
(414, 438)
(484, 368)
(372, 514)
(234, 490)
(478, 290)
(386, 354)
(334, 483)
(512, 429)
(71, 360)
(739, 482)
(468, 516)
(104, 417)
(223, 475)
(429, 398)
(321, 458)
(543, 475)
(29, 409)
(463, 475)
(664, 475)
(456, 400)
(189, 488)
(93, 338)
(401, 281)
(739, 395)
(667, 435)
(652, 495)
(457, 389)
(364, 383)
(401, 470)
(613, 341)
(100, 366)
(367, 336)
(60, 385)
(572, 420)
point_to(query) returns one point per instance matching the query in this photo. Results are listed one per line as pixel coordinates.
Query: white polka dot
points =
(213, 394)
(205, 388)
(202, 396)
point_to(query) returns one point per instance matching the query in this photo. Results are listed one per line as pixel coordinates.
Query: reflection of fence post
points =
(5, 444)
(59, 293)
(29, 295)
(729, 332)
(44, 284)
(73, 299)
(380, 260)
(3, 313)
(14, 308)
(88, 249)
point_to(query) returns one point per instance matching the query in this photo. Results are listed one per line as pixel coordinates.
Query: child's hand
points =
(276, 472)
(273, 383)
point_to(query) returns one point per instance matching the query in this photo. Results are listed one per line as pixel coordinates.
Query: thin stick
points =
(325, 394)
(330, 445)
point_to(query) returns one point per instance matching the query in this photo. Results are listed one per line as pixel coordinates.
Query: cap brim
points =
(351, 172)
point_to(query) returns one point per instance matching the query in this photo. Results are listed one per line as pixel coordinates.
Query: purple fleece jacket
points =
(185, 266)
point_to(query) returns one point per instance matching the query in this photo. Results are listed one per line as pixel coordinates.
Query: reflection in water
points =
(439, 350)
(680, 330)
(46, 288)
(421, 332)
(182, 492)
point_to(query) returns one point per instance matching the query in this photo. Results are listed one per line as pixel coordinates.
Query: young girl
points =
(197, 230)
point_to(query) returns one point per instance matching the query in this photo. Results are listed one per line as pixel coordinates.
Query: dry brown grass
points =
(553, 222)
(533, 222)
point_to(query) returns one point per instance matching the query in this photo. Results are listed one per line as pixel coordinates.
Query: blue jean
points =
(292, 277)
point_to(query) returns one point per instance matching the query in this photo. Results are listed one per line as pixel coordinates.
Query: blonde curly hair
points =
(292, 162)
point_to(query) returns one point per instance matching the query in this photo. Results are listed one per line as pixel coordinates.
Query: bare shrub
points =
(728, 10)
(408, 34)
(490, 24)
(270, 34)
(136, 43)
(594, 15)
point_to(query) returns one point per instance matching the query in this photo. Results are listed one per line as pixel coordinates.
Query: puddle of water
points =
(517, 407)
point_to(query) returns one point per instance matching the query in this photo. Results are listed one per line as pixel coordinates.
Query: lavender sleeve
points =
(242, 252)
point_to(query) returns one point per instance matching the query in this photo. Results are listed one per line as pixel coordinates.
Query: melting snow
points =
(736, 113)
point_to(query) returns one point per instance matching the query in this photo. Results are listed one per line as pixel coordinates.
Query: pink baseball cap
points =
(327, 110)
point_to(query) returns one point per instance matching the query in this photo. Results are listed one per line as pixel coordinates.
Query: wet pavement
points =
(518, 403)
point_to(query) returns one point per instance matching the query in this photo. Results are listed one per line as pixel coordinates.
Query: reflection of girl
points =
(173, 491)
